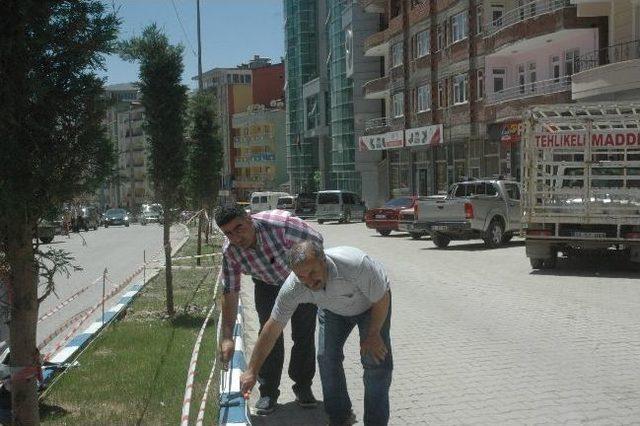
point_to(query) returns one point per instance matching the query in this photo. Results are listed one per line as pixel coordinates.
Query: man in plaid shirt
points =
(257, 245)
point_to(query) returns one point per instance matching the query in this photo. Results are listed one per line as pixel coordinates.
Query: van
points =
(338, 205)
(262, 201)
(287, 203)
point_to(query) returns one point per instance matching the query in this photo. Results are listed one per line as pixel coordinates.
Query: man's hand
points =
(227, 347)
(247, 382)
(374, 346)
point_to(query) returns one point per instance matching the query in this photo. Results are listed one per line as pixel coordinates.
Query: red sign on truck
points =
(599, 139)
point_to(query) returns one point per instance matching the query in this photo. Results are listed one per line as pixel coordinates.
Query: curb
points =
(234, 410)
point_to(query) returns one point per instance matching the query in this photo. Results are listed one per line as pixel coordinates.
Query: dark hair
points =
(226, 213)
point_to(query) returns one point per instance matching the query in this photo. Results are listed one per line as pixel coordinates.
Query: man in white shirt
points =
(350, 288)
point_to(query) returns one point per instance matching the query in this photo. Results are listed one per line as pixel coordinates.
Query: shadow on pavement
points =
(476, 246)
(605, 265)
(291, 414)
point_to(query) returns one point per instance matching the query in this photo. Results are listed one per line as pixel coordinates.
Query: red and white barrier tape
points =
(67, 301)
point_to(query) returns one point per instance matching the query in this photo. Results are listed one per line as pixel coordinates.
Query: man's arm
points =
(229, 314)
(268, 336)
(373, 344)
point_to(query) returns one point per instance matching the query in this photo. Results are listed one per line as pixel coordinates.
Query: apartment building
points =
(130, 186)
(455, 78)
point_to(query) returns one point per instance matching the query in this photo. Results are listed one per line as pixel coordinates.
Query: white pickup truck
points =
(581, 177)
(476, 209)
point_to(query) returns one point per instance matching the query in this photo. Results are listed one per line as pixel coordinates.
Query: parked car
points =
(486, 209)
(151, 213)
(405, 223)
(339, 205)
(262, 201)
(287, 203)
(45, 231)
(306, 205)
(385, 219)
(116, 217)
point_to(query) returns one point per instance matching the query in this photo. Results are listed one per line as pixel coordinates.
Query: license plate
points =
(381, 216)
(590, 234)
(439, 227)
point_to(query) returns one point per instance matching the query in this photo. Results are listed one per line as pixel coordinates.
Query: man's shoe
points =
(305, 398)
(266, 405)
(351, 420)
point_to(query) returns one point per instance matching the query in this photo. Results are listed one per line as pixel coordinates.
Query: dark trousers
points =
(302, 365)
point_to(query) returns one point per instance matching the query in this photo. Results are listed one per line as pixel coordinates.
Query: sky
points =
(232, 31)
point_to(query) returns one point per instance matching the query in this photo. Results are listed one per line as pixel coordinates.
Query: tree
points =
(204, 157)
(164, 100)
(53, 146)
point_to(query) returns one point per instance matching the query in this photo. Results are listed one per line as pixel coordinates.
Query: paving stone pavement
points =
(479, 338)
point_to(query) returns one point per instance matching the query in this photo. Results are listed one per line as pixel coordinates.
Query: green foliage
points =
(205, 151)
(53, 142)
(164, 99)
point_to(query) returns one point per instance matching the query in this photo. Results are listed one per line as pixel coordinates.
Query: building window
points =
(571, 62)
(424, 98)
(439, 37)
(396, 55)
(555, 68)
(521, 78)
(480, 76)
(498, 79)
(531, 69)
(422, 44)
(236, 79)
(479, 20)
(496, 15)
(460, 89)
(398, 104)
(458, 27)
(442, 100)
(313, 114)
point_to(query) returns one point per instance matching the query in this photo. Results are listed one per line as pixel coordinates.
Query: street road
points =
(479, 338)
(118, 249)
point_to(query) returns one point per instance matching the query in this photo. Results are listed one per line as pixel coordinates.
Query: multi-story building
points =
(130, 186)
(611, 73)
(256, 83)
(455, 78)
(261, 158)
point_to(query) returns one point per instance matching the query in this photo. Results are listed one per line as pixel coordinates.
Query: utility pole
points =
(199, 49)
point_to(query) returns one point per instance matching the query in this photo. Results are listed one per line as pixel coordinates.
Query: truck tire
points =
(320, 221)
(548, 263)
(415, 235)
(507, 237)
(46, 240)
(441, 241)
(494, 235)
(384, 233)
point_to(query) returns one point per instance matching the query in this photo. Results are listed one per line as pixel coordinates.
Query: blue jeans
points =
(334, 331)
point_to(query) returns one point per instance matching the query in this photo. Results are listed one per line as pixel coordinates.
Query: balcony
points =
(527, 90)
(607, 71)
(524, 13)
(377, 44)
(373, 6)
(377, 88)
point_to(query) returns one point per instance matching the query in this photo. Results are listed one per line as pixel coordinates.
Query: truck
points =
(581, 181)
(487, 209)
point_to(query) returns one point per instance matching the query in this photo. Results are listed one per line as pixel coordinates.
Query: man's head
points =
(236, 225)
(307, 260)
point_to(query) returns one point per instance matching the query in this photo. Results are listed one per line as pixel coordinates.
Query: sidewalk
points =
(288, 412)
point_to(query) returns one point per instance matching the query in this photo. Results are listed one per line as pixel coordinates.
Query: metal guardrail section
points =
(542, 87)
(582, 183)
(526, 11)
(610, 55)
(377, 123)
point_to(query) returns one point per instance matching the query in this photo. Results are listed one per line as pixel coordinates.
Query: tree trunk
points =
(199, 251)
(167, 266)
(207, 228)
(24, 319)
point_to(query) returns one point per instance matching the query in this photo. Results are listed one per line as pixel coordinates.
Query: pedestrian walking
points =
(257, 245)
(351, 289)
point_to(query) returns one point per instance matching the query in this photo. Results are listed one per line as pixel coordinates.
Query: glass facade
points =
(343, 146)
(301, 66)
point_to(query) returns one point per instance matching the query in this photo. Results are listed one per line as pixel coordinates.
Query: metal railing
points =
(543, 87)
(377, 123)
(524, 12)
(610, 55)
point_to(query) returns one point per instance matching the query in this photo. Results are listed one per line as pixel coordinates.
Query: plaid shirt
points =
(276, 232)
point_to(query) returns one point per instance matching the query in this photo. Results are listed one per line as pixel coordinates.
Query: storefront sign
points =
(599, 139)
(428, 135)
(382, 141)
(511, 132)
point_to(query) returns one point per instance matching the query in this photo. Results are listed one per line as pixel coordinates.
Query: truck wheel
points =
(494, 235)
(46, 240)
(384, 233)
(538, 263)
(320, 221)
(507, 237)
(441, 241)
(415, 235)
